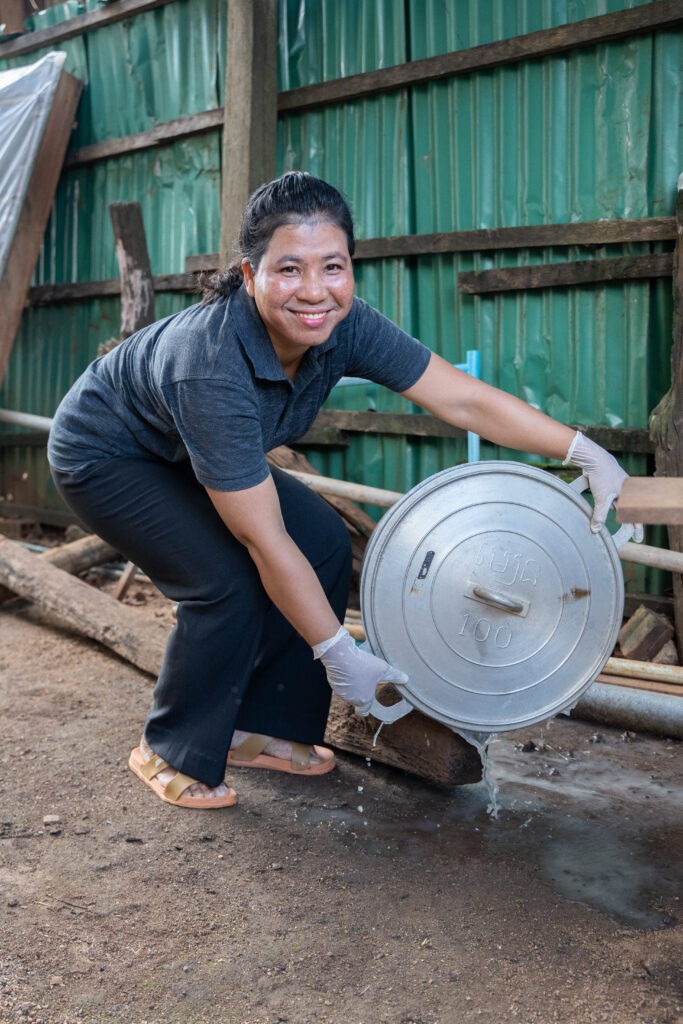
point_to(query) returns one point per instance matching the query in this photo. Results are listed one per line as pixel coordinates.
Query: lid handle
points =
(508, 604)
(392, 713)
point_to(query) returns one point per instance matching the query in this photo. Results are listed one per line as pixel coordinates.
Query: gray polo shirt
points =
(206, 384)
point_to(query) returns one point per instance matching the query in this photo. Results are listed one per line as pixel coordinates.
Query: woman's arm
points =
(254, 518)
(465, 402)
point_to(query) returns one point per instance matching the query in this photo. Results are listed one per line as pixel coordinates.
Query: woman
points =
(160, 449)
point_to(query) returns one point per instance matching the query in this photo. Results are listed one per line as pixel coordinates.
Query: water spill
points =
(599, 869)
(595, 822)
(481, 742)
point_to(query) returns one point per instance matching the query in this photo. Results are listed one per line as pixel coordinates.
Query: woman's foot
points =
(197, 789)
(276, 748)
(254, 750)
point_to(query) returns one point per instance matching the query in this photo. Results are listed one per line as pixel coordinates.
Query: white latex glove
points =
(353, 673)
(605, 478)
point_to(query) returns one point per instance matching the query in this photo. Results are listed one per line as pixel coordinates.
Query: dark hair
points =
(296, 196)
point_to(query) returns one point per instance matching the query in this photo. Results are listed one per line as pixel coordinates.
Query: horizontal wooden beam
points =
(332, 426)
(55, 34)
(645, 229)
(636, 21)
(78, 291)
(161, 134)
(656, 499)
(651, 17)
(529, 236)
(560, 275)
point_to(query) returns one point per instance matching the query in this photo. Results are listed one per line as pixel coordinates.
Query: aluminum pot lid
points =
(486, 586)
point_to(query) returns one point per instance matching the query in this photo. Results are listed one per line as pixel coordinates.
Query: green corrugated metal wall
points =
(591, 133)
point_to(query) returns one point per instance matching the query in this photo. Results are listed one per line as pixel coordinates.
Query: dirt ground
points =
(362, 896)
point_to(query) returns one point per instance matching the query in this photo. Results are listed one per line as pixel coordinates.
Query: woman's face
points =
(303, 286)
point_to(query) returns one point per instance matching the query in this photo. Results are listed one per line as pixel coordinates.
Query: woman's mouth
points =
(311, 319)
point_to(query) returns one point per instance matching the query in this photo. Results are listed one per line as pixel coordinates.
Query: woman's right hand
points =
(354, 673)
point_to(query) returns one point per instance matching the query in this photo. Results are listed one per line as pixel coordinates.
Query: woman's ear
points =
(248, 272)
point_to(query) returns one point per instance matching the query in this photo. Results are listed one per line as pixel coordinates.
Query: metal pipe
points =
(625, 708)
(25, 419)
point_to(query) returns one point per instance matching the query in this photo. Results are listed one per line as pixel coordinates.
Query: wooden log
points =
(651, 500)
(666, 421)
(416, 744)
(137, 285)
(82, 608)
(28, 235)
(74, 558)
(562, 275)
(250, 113)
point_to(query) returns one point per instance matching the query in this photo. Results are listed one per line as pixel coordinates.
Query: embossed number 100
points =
(481, 629)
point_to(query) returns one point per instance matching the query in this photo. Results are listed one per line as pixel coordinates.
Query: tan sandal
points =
(249, 754)
(172, 792)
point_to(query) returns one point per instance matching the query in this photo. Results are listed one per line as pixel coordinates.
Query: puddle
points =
(610, 875)
(594, 823)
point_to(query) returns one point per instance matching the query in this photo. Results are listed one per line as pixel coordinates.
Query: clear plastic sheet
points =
(25, 99)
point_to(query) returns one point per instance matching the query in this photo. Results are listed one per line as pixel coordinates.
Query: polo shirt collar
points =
(258, 346)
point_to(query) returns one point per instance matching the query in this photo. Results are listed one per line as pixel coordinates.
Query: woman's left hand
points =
(605, 478)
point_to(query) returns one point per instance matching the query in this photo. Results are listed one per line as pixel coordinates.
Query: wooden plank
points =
(641, 684)
(651, 17)
(651, 500)
(618, 439)
(666, 422)
(162, 134)
(28, 236)
(562, 275)
(414, 424)
(250, 114)
(594, 233)
(56, 34)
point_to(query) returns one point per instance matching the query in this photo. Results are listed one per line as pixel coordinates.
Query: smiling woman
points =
(160, 448)
(303, 287)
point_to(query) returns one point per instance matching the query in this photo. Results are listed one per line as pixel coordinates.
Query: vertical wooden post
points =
(666, 422)
(137, 300)
(137, 283)
(250, 121)
(12, 15)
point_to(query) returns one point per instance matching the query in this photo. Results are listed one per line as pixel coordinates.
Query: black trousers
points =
(232, 660)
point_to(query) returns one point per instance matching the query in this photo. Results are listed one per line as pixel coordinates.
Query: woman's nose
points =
(311, 286)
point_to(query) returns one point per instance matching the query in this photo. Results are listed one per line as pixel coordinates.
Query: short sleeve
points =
(384, 353)
(218, 424)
